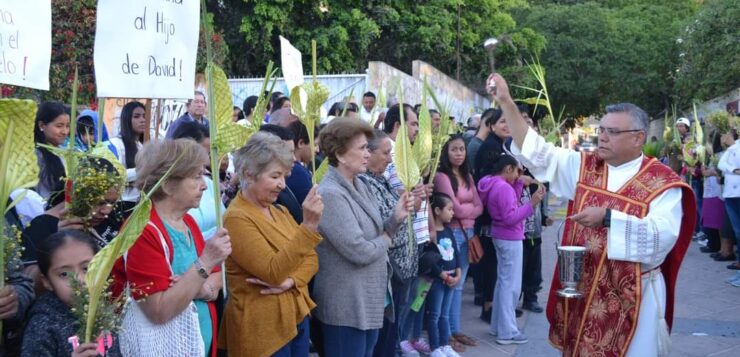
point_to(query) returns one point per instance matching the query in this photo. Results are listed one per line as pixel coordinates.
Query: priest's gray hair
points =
(640, 119)
(262, 149)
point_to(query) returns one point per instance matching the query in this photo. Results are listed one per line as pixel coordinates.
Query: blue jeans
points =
(438, 325)
(697, 185)
(462, 248)
(342, 341)
(410, 320)
(298, 346)
(732, 207)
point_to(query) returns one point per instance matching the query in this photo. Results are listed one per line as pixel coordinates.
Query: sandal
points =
(465, 340)
(457, 346)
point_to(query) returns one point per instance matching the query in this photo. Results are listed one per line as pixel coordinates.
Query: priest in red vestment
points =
(635, 217)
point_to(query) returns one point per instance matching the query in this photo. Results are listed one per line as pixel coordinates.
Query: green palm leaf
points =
(231, 136)
(422, 148)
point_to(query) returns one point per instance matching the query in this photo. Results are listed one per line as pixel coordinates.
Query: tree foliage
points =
(351, 33)
(613, 51)
(710, 51)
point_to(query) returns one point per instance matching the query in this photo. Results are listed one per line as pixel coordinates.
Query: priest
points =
(635, 217)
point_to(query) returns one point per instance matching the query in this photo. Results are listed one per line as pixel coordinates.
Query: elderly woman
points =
(403, 260)
(171, 265)
(352, 285)
(273, 257)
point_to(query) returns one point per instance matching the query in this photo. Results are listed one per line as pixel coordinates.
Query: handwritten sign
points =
(146, 48)
(25, 43)
(292, 65)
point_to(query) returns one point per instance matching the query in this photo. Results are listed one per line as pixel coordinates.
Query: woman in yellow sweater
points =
(272, 259)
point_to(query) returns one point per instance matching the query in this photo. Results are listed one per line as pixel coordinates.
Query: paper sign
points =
(25, 43)
(292, 64)
(146, 49)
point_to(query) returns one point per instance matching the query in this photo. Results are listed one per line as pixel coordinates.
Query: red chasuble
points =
(603, 321)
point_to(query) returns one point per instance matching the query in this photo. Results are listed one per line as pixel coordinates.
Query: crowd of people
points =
(335, 267)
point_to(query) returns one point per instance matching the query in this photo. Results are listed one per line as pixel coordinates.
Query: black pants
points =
(531, 268)
(487, 268)
(712, 238)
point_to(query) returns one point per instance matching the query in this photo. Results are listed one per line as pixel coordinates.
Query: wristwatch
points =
(200, 269)
(607, 219)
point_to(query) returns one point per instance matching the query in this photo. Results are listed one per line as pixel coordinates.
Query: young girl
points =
(52, 323)
(448, 273)
(500, 189)
(454, 179)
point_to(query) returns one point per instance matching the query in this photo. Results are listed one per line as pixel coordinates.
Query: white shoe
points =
(449, 352)
(438, 353)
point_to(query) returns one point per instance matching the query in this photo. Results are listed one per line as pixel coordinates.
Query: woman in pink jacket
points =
(454, 180)
(500, 189)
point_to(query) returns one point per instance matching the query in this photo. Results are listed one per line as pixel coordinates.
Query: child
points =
(52, 324)
(447, 273)
(500, 189)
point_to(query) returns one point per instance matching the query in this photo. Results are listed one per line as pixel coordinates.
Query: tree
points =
(351, 33)
(710, 52)
(616, 51)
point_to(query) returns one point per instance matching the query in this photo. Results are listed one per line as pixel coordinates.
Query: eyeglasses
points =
(614, 132)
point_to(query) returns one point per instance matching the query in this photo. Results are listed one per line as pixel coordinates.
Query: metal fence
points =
(340, 86)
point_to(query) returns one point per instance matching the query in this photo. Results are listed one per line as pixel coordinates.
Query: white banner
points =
(146, 49)
(25, 43)
(291, 64)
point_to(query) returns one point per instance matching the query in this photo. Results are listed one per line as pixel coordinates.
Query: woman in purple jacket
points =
(499, 190)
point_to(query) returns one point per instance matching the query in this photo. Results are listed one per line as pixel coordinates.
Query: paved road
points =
(707, 313)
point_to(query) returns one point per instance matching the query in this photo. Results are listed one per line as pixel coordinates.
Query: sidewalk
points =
(707, 312)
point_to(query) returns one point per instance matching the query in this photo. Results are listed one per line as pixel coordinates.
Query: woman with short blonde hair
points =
(273, 257)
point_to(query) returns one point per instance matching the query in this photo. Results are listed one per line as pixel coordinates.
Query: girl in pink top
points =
(454, 180)
(500, 189)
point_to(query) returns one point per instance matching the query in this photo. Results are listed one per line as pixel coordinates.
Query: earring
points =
(42, 130)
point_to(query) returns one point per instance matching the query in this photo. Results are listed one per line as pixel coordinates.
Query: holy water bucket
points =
(570, 265)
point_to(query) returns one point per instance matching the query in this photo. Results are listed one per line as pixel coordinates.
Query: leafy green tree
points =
(615, 51)
(449, 34)
(710, 52)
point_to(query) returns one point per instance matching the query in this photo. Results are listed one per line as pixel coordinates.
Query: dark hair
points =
(249, 104)
(85, 126)
(445, 166)
(498, 164)
(491, 116)
(53, 169)
(191, 130)
(369, 94)
(241, 113)
(335, 137)
(433, 111)
(128, 136)
(283, 133)
(393, 116)
(440, 200)
(273, 97)
(523, 108)
(300, 133)
(46, 248)
(279, 104)
(197, 93)
(338, 107)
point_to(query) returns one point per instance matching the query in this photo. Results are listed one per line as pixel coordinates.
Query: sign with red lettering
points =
(25, 43)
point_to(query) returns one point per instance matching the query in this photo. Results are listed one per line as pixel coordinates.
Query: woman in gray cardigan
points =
(351, 289)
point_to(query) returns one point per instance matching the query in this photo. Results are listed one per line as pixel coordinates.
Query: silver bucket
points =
(570, 267)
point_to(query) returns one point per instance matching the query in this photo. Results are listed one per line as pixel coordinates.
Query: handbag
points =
(475, 249)
(179, 336)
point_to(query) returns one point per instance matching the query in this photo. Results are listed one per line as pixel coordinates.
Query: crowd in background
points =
(334, 267)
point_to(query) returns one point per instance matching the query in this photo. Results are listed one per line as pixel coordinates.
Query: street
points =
(707, 312)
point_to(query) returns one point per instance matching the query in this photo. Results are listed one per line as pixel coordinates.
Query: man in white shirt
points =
(634, 215)
(729, 164)
(369, 113)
